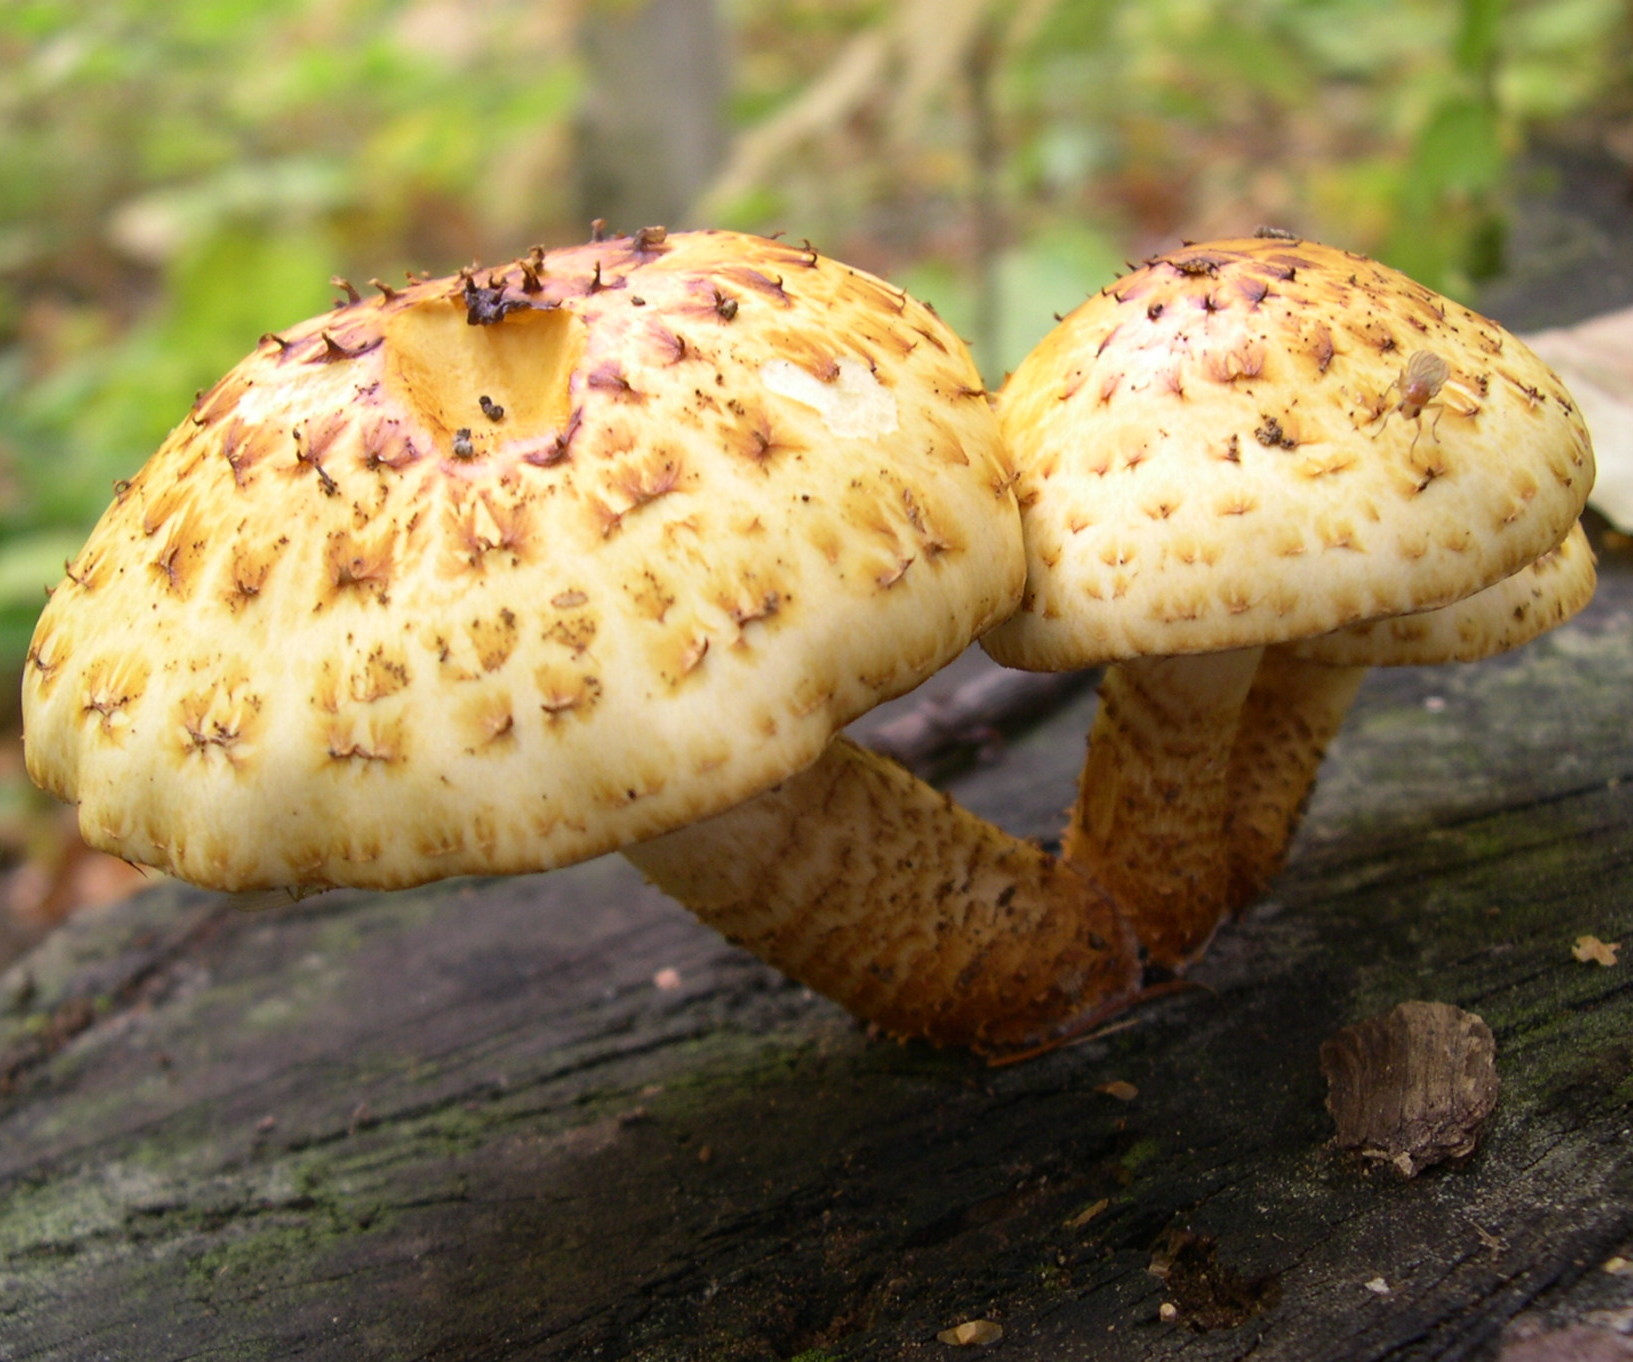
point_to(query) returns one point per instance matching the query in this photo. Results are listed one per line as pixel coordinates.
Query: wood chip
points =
(972, 1331)
(1590, 950)
(1412, 1088)
(1087, 1214)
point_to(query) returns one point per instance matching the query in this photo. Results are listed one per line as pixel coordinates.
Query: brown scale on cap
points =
(222, 721)
(177, 564)
(220, 400)
(491, 524)
(1240, 445)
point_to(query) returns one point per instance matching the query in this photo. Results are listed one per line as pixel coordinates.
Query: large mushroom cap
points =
(498, 572)
(1258, 440)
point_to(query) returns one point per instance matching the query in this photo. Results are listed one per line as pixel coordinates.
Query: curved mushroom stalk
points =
(1293, 711)
(871, 887)
(1303, 690)
(1150, 812)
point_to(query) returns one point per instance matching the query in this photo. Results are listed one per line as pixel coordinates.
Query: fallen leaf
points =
(1595, 358)
(1123, 1092)
(972, 1331)
(1590, 950)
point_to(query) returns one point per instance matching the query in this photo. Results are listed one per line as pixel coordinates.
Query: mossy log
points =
(554, 1118)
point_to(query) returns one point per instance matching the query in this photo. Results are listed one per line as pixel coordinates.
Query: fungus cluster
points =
(601, 549)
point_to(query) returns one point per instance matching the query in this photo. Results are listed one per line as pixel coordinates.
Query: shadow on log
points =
(554, 1118)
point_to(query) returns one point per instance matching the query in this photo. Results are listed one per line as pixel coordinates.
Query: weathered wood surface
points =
(465, 1123)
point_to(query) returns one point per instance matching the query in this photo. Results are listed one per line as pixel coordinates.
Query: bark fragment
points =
(1414, 1087)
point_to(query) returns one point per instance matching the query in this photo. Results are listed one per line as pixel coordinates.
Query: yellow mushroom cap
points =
(1539, 597)
(498, 572)
(1253, 441)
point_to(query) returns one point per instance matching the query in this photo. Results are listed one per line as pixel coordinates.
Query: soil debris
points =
(1206, 1293)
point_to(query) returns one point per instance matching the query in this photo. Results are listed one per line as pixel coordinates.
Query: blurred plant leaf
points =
(31, 563)
(28, 566)
(1036, 281)
(1479, 34)
(1047, 275)
(108, 409)
(1459, 150)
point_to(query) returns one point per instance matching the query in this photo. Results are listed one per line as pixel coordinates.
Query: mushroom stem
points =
(864, 883)
(1293, 711)
(1150, 814)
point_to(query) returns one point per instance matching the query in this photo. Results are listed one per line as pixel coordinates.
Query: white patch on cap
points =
(854, 403)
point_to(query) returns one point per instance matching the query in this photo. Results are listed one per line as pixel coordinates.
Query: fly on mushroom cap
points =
(498, 572)
(1240, 444)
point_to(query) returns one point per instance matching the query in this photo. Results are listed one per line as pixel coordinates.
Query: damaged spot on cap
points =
(853, 404)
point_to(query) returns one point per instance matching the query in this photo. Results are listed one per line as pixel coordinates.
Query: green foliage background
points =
(179, 176)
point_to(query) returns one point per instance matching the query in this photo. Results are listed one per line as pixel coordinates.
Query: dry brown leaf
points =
(1123, 1092)
(1590, 950)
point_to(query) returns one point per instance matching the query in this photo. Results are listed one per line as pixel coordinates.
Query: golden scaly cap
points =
(497, 572)
(1252, 441)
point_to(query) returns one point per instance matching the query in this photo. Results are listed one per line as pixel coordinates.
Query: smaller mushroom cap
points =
(1539, 597)
(1254, 441)
(497, 572)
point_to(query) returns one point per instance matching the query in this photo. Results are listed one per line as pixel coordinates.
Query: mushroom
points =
(1238, 445)
(595, 550)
